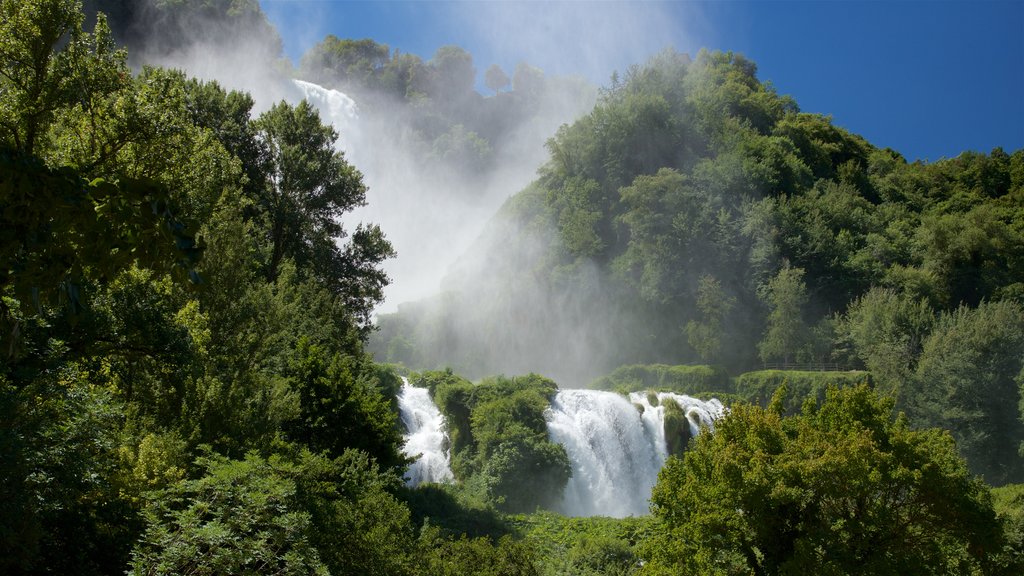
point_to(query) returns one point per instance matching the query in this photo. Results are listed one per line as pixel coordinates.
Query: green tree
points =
(241, 517)
(496, 78)
(843, 488)
(479, 556)
(786, 295)
(968, 381)
(527, 80)
(341, 406)
(345, 62)
(67, 504)
(886, 330)
(63, 228)
(307, 187)
(454, 73)
(50, 64)
(291, 513)
(714, 305)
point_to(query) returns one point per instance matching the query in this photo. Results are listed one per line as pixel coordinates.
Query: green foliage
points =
(839, 489)
(116, 371)
(887, 330)
(65, 496)
(584, 546)
(758, 387)
(786, 295)
(453, 511)
(292, 515)
(241, 517)
(454, 557)
(968, 381)
(341, 406)
(706, 336)
(1008, 502)
(60, 230)
(344, 62)
(677, 427)
(499, 441)
(495, 78)
(50, 65)
(691, 380)
(176, 26)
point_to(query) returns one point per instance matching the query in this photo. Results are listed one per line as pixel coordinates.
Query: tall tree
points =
(786, 294)
(307, 187)
(968, 381)
(714, 304)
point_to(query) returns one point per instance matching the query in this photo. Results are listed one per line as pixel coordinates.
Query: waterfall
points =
(336, 108)
(426, 439)
(616, 446)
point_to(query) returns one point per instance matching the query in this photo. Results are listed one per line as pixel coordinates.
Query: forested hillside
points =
(696, 216)
(186, 383)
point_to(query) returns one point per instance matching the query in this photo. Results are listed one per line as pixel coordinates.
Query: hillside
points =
(696, 216)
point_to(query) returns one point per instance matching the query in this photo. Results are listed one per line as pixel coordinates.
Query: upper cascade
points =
(336, 107)
(426, 439)
(617, 446)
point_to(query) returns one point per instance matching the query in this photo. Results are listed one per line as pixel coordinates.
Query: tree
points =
(346, 62)
(843, 488)
(968, 381)
(307, 187)
(527, 79)
(49, 64)
(341, 406)
(293, 514)
(62, 227)
(714, 305)
(496, 78)
(454, 71)
(786, 294)
(886, 330)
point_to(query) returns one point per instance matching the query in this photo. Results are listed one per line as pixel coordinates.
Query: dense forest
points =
(192, 379)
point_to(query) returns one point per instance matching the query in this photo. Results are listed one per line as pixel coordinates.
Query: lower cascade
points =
(425, 439)
(617, 445)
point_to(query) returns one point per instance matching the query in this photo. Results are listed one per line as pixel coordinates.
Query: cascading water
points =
(616, 446)
(336, 108)
(426, 439)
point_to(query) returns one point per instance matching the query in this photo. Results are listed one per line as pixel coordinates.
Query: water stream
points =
(426, 439)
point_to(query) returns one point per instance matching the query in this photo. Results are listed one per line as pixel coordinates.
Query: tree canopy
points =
(841, 488)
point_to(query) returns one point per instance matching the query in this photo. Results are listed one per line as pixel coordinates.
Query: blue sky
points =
(927, 78)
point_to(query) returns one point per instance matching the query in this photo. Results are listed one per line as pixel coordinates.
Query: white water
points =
(615, 451)
(335, 108)
(425, 439)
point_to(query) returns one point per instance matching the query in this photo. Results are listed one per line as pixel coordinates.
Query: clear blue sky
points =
(927, 78)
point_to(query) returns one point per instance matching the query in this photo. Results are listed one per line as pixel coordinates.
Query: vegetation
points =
(696, 215)
(185, 385)
(691, 380)
(759, 386)
(838, 489)
(499, 439)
